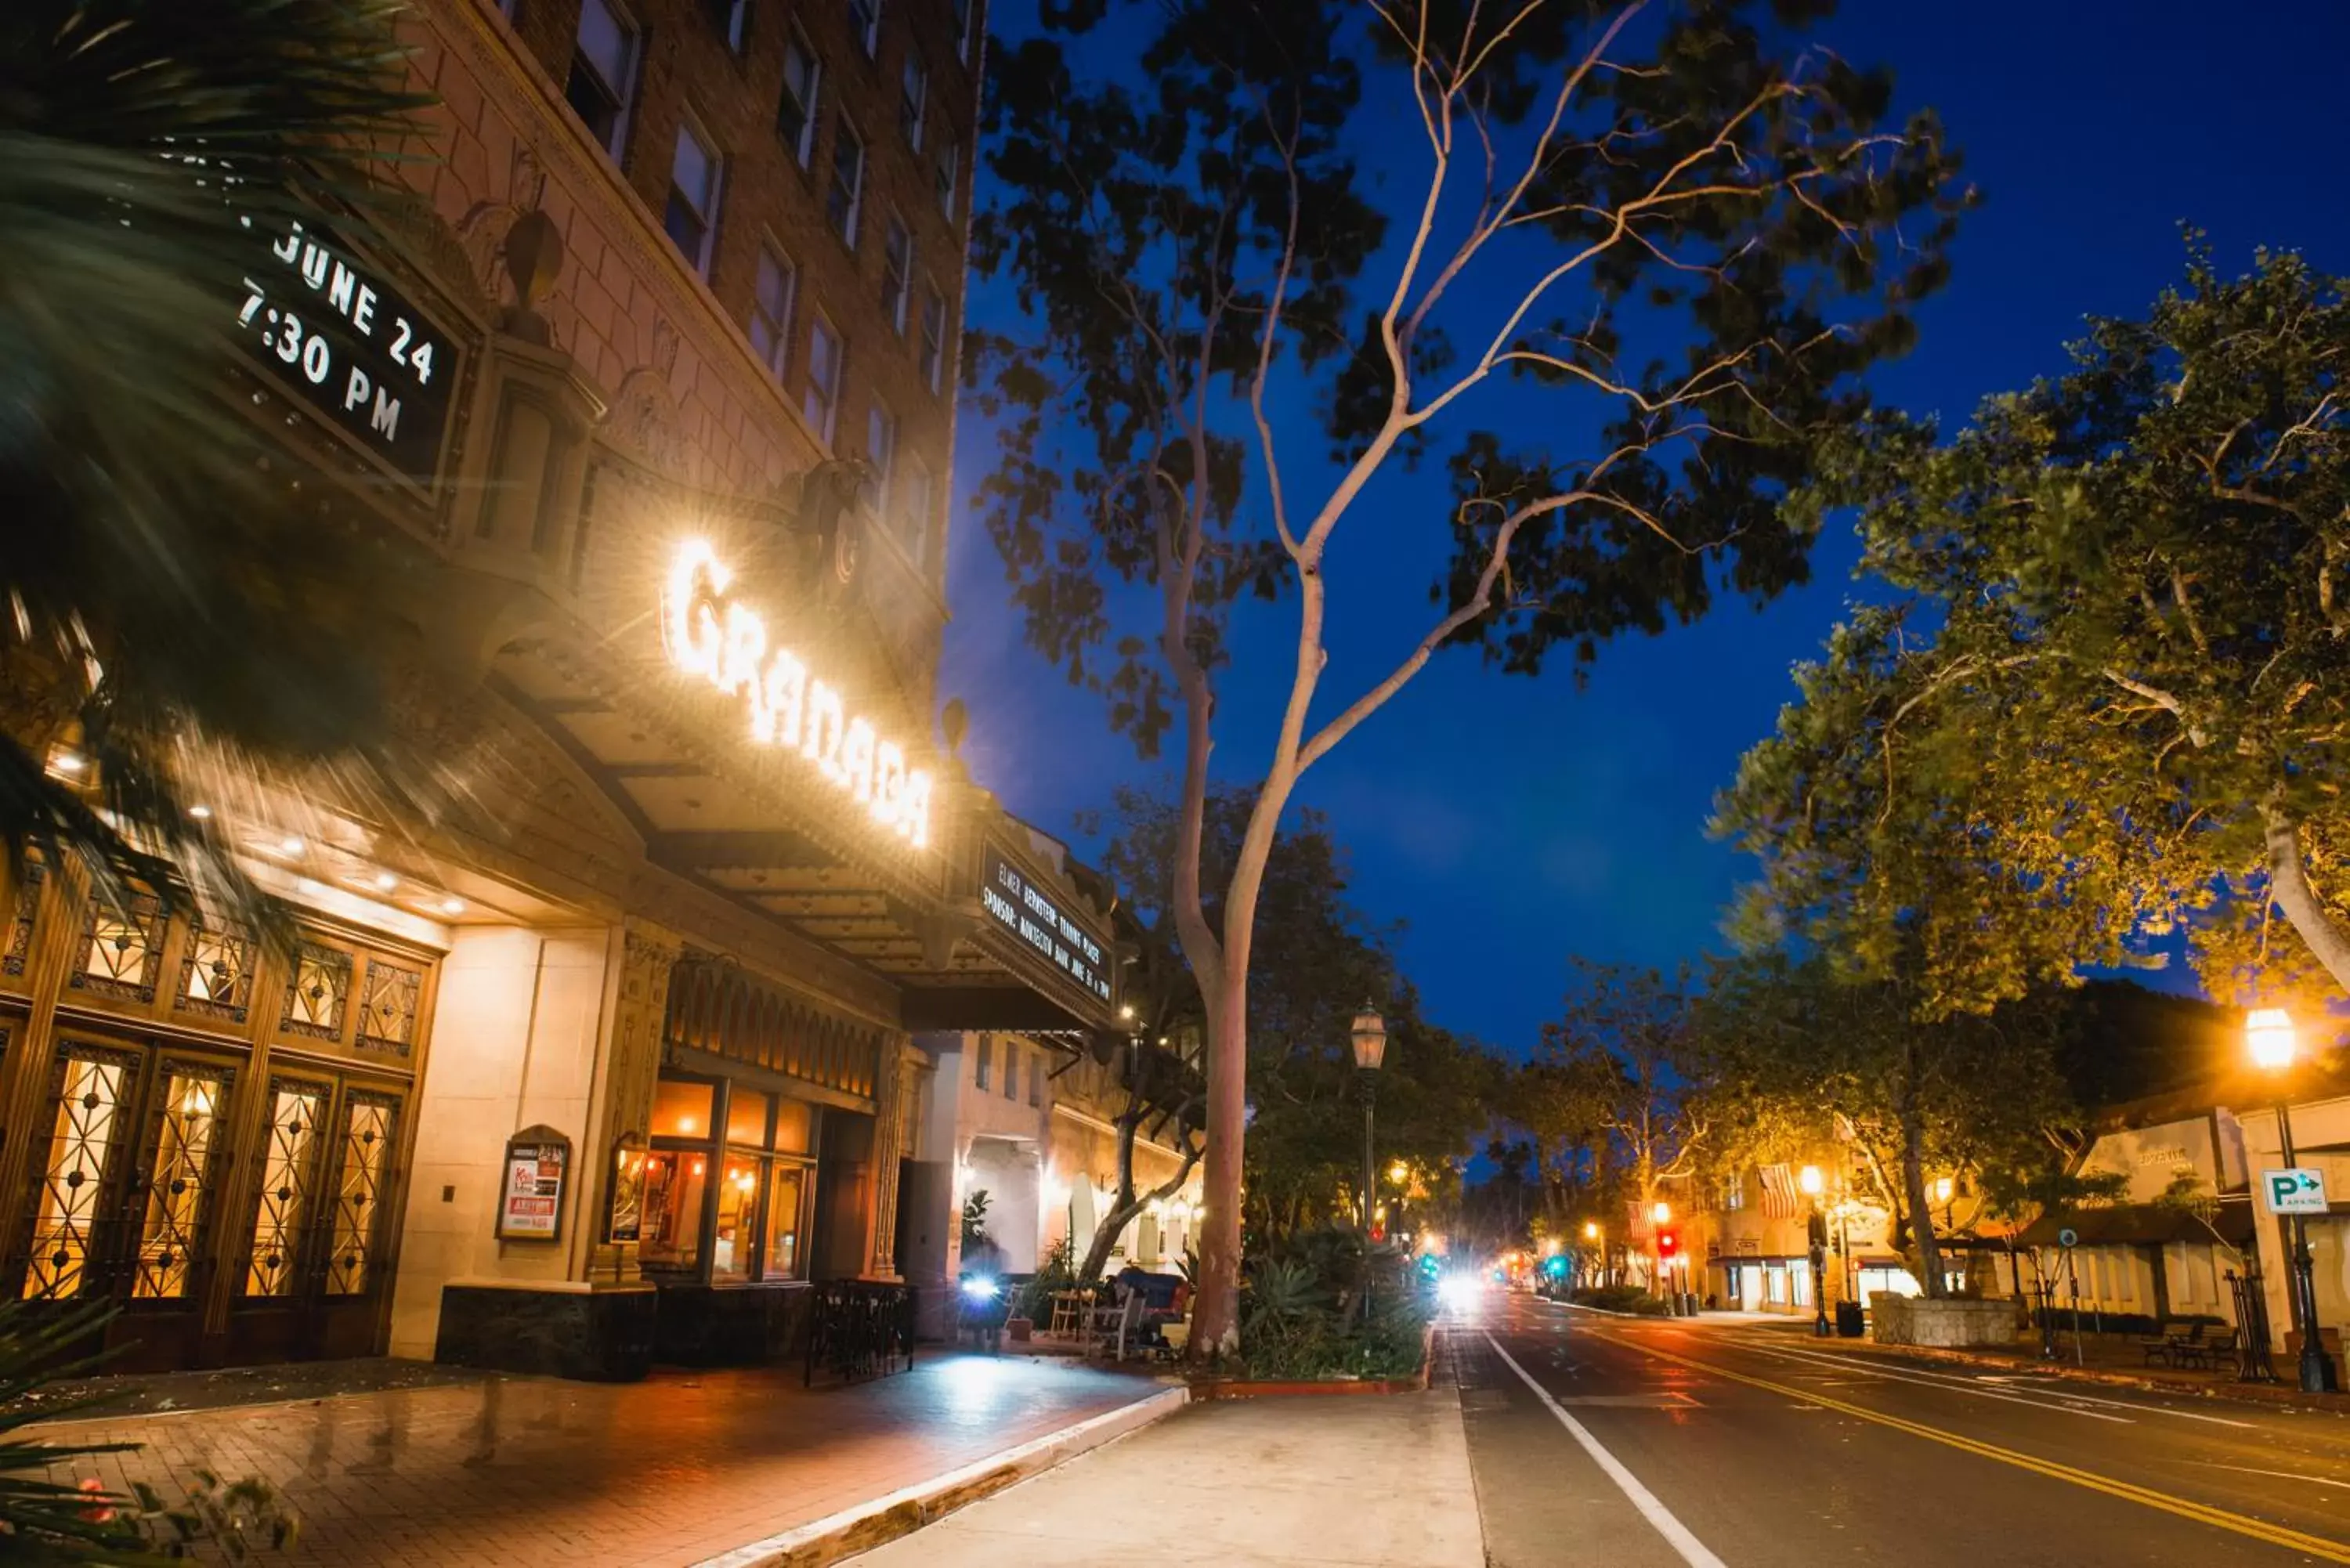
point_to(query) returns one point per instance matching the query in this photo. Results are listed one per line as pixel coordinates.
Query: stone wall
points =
(1914, 1319)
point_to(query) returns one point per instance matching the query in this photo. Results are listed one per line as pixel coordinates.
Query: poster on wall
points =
(530, 1201)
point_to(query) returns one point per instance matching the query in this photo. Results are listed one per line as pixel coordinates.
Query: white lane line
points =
(2286, 1475)
(1959, 1380)
(1660, 1518)
(1946, 1388)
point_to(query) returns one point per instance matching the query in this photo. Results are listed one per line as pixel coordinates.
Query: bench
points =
(2207, 1352)
(2174, 1347)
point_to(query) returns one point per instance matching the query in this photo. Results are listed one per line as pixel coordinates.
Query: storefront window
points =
(681, 1110)
(785, 1185)
(753, 1212)
(738, 1218)
(673, 1187)
(746, 1117)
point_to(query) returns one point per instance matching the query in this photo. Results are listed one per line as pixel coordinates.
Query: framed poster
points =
(530, 1191)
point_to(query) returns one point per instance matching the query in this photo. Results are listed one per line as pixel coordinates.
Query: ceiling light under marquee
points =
(727, 644)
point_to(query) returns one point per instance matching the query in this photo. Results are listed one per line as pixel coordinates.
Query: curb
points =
(884, 1519)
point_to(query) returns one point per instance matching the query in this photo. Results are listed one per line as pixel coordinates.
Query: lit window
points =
(934, 335)
(947, 172)
(914, 511)
(846, 200)
(692, 197)
(771, 309)
(603, 73)
(865, 24)
(914, 107)
(733, 19)
(881, 452)
(795, 117)
(897, 273)
(962, 19)
(822, 403)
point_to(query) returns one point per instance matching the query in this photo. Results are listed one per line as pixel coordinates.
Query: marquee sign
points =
(1031, 914)
(335, 334)
(710, 633)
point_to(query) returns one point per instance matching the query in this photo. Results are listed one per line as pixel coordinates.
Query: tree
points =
(171, 598)
(1667, 241)
(1966, 1092)
(1630, 1037)
(1318, 964)
(2111, 697)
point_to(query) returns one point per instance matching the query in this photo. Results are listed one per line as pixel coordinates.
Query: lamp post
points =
(1598, 1253)
(1815, 1185)
(2269, 1035)
(1370, 1050)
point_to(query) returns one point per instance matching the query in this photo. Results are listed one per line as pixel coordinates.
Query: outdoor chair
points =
(1111, 1326)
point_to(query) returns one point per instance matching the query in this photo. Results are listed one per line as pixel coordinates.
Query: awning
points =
(2141, 1224)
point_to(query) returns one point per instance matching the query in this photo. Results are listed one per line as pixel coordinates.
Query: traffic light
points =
(1668, 1244)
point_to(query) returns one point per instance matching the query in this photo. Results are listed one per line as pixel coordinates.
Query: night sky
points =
(1511, 824)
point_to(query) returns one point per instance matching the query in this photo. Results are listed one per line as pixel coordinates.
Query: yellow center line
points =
(2241, 1524)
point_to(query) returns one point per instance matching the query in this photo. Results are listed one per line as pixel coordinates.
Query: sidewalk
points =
(509, 1472)
(1302, 1482)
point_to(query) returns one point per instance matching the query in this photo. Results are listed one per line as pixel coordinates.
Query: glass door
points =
(313, 1278)
(123, 1209)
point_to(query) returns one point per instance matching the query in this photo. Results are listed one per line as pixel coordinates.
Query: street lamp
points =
(1815, 1184)
(2268, 1036)
(1370, 1050)
(1599, 1253)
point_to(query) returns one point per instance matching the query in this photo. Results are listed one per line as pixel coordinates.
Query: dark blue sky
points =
(1511, 824)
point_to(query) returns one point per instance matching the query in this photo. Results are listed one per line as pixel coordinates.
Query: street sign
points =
(2068, 1237)
(2295, 1190)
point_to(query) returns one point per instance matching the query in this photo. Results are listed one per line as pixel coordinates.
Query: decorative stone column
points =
(632, 1066)
(893, 1134)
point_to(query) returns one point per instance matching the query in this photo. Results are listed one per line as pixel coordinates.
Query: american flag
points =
(1782, 1198)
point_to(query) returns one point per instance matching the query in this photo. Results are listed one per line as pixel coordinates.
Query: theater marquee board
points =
(334, 333)
(1042, 922)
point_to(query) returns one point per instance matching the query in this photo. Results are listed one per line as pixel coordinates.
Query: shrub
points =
(1623, 1298)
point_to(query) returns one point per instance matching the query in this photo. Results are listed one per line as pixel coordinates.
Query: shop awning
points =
(2141, 1224)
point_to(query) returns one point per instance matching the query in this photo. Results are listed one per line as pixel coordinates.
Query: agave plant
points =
(44, 1519)
(168, 589)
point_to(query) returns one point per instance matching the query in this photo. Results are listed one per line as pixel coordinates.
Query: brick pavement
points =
(514, 1472)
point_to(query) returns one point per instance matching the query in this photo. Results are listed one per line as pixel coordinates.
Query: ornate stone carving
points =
(646, 420)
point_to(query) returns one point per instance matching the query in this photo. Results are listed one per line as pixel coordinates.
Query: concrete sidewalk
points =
(1366, 1482)
(521, 1472)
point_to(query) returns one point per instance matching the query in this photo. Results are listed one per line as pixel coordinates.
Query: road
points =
(1647, 1444)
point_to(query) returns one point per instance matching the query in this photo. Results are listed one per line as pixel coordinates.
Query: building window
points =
(822, 403)
(314, 997)
(1734, 1193)
(185, 1142)
(881, 452)
(947, 173)
(985, 1057)
(603, 74)
(914, 511)
(692, 214)
(387, 1010)
(962, 20)
(932, 351)
(1035, 1068)
(846, 200)
(896, 272)
(289, 1163)
(865, 24)
(914, 105)
(121, 945)
(732, 18)
(795, 117)
(757, 1213)
(216, 973)
(1011, 1071)
(771, 309)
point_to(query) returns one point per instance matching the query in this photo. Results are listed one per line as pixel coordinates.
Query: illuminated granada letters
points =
(725, 642)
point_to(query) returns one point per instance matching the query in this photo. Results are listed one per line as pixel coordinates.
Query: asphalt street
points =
(1645, 1444)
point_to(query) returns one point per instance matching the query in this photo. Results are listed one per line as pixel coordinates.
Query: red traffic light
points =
(1669, 1242)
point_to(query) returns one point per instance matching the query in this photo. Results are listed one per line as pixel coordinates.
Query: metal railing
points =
(861, 1329)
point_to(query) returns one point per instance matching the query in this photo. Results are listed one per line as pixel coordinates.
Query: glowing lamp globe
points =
(2269, 1034)
(1810, 1179)
(1370, 1039)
